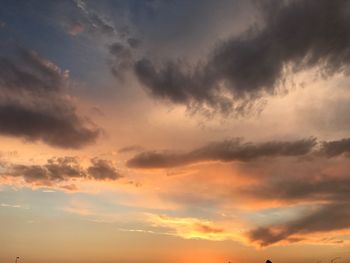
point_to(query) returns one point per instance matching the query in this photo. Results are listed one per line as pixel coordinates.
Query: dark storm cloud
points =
(34, 106)
(226, 151)
(60, 170)
(329, 217)
(302, 34)
(103, 170)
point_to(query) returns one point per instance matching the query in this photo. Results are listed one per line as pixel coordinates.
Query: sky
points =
(174, 131)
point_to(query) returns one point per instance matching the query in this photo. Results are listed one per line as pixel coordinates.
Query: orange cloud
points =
(193, 228)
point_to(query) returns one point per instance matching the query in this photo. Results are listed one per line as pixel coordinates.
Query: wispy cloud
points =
(226, 151)
(192, 228)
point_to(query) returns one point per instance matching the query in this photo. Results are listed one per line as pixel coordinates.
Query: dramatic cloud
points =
(34, 106)
(62, 169)
(292, 34)
(226, 151)
(327, 218)
(330, 193)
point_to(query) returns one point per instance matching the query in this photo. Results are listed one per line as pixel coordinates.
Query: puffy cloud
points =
(54, 171)
(226, 151)
(298, 34)
(34, 106)
(60, 171)
(103, 170)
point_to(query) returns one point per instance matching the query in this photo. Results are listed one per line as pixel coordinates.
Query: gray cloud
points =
(320, 188)
(331, 193)
(121, 59)
(102, 170)
(54, 171)
(327, 218)
(334, 148)
(226, 151)
(299, 33)
(34, 106)
(30, 73)
(61, 170)
(134, 42)
(61, 130)
(237, 150)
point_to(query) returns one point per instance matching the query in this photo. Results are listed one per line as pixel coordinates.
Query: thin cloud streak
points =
(226, 151)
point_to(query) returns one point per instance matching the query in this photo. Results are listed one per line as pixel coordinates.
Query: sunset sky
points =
(160, 131)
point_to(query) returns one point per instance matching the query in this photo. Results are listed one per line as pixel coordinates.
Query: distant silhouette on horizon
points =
(268, 261)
